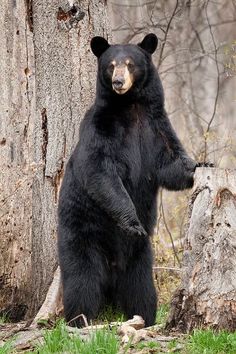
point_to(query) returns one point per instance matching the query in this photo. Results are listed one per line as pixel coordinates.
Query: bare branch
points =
(166, 33)
(167, 228)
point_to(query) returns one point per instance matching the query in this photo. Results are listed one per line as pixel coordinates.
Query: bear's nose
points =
(118, 83)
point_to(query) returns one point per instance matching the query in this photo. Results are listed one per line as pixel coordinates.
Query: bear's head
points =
(124, 68)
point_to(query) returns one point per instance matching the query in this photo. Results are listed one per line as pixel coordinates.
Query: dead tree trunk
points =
(47, 83)
(207, 295)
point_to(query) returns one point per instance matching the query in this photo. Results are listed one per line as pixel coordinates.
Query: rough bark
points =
(48, 82)
(17, 102)
(207, 295)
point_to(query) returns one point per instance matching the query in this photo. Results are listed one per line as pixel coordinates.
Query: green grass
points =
(210, 342)
(109, 314)
(6, 348)
(152, 345)
(162, 314)
(173, 347)
(4, 319)
(58, 340)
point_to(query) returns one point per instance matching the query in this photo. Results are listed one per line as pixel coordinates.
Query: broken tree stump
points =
(207, 294)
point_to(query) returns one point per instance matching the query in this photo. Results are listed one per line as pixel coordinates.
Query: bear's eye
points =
(111, 67)
(130, 66)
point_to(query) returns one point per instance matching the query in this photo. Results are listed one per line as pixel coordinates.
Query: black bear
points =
(107, 206)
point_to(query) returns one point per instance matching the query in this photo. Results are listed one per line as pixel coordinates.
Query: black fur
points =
(107, 207)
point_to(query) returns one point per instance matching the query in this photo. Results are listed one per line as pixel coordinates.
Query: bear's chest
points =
(135, 153)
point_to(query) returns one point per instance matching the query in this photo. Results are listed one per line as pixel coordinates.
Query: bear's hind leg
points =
(137, 294)
(84, 278)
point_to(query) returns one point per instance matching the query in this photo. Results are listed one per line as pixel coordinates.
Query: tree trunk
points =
(207, 295)
(48, 81)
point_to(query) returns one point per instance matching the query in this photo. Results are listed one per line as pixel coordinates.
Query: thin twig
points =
(167, 229)
(82, 316)
(166, 33)
(167, 268)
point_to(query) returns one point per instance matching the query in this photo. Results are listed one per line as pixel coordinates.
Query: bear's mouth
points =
(120, 91)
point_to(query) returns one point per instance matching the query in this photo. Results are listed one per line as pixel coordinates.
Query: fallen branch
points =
(53, 302)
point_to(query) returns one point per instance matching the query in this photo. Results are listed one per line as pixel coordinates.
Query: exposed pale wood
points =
(53, 302)
(207, 295)
(47, 83)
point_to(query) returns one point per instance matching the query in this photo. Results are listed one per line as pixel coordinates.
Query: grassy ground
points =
(3, 319)
(60, 341)
(106, 341)
(209, 342)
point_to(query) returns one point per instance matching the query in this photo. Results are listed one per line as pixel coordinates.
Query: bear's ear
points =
(99, 45)
(149, 43)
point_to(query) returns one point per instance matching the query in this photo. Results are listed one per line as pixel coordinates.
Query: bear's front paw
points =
(189, 164)
(205, 164)
(135, 230)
